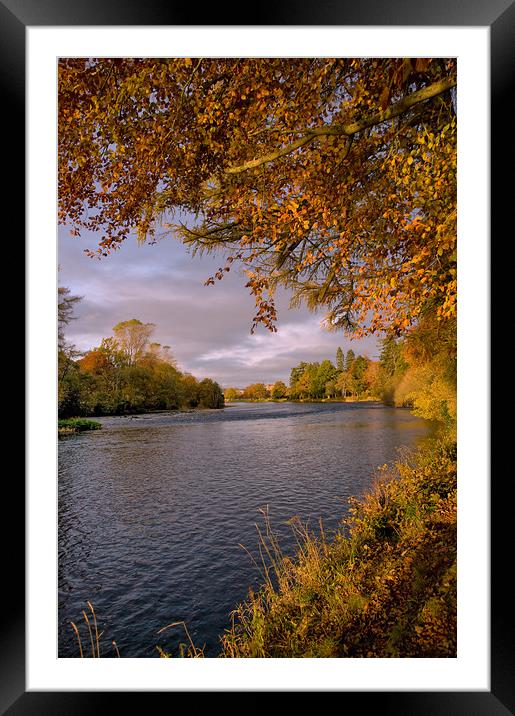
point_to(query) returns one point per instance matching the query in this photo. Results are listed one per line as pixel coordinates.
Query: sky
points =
(207, 327)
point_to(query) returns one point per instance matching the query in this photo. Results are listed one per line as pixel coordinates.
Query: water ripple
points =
(153, 508)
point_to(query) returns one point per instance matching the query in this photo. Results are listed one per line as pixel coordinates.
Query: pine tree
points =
(339, 359)
(349, 360)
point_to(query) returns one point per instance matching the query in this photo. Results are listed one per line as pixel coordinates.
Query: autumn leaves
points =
(260, 152)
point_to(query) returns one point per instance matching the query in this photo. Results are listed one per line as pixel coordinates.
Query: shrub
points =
(77, 425)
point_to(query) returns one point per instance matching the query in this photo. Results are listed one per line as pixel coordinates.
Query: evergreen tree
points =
(349, 360)
(339, 360)
(391, 356)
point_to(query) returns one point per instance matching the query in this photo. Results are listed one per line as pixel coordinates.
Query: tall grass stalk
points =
(192, 651)
(74, 627)
(189, 650)
(93, 654)
(96, 628)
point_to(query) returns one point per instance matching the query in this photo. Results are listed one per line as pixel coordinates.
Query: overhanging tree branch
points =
(349, 130)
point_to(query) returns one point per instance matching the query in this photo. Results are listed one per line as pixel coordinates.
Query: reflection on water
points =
(153, 509)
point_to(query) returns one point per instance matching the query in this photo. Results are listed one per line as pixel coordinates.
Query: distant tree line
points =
(417, 371)
(126, 373)
(352, 376)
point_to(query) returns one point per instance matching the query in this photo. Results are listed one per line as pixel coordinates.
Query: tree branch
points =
(350, 129)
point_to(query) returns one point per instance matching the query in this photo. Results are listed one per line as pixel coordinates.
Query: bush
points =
(77, 425)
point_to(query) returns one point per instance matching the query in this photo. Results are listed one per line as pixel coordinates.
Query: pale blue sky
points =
(207, 327)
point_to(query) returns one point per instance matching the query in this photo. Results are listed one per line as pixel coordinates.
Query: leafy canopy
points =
(333, 177)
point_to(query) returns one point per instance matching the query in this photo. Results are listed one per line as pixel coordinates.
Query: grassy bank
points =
(384, 587)
(76, 425)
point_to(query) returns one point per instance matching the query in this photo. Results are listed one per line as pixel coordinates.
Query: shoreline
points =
(307, 400)
(144, 412)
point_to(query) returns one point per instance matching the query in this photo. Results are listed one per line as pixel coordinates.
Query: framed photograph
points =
(55, 51)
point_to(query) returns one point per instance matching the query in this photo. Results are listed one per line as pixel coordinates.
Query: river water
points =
(157, 513)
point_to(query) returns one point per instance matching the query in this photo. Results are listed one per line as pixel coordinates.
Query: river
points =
(157, 513)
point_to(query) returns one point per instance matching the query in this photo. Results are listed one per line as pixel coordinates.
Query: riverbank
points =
(66, 423)
(384, 587)
(354, 399)
(136, 412)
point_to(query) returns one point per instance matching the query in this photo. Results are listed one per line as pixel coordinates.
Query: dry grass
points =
(92, 639)
(188, 650)
(385, 586)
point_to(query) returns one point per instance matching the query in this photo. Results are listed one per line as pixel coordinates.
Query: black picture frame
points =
(15, 17)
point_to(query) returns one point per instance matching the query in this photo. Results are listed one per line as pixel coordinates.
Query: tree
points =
(190, 390)
(65, 308)
(111, 349)
(255, 391)
(156, 353)
(304, 386)
(128, 374)
(95, 362)
(132, 339)
(316, 386)
(66, 353)
(391, 358)
(349, 360)
(279, 390)
(358, 370)
(371, 377)
(231, 394)
(330, 388)
(333, 177)
(425, 376)
(339, 359)
(76, 392)
(346, 384)
(326, 373)
(296, 373)
(210, 394)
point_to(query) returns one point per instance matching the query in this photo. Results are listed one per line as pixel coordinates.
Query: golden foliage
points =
(334, 177)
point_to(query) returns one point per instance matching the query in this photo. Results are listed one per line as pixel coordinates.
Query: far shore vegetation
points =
(412, 372)
(77, 425)
(127, 373)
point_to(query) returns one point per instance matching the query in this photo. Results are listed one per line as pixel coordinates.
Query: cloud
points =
(256, 350)
(208, 327)
(267, 357)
